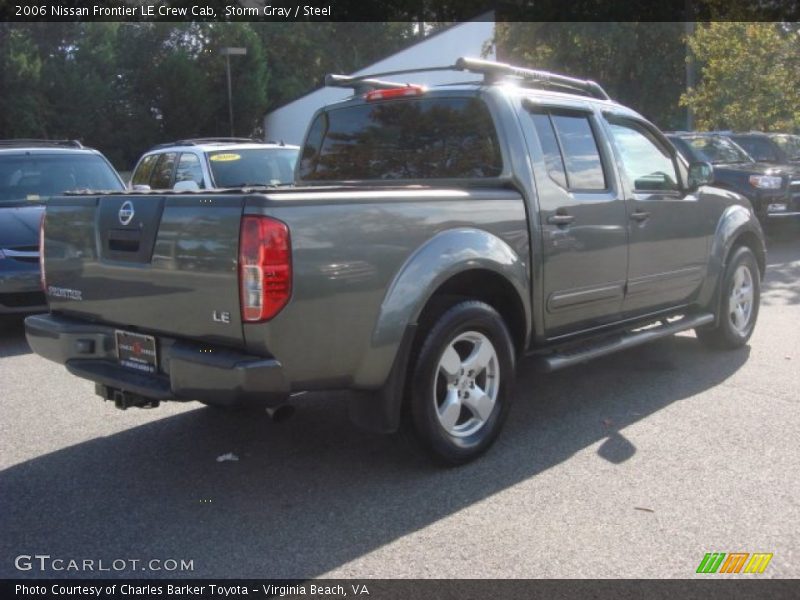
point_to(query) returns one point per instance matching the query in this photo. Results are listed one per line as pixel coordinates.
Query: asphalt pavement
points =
(634, 465)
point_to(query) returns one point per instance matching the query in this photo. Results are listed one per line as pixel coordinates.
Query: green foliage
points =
(21, 111)
(302, 54)
(640, 65)
(750, 76)
(123, 87)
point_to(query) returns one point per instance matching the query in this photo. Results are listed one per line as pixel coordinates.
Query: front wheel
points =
(461, 383)
(739, 303)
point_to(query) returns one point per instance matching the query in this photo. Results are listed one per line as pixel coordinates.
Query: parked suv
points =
(31, 171)
(207, 163)
(765, 185)
(765, 148)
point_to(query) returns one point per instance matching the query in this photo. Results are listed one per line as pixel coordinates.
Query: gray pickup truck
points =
(434, 237)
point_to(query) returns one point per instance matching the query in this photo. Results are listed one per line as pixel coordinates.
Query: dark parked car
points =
(766, 148)
(766, 185)
(30, 172)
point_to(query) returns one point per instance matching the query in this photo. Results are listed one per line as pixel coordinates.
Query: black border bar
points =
(711, 588)
(401, 10)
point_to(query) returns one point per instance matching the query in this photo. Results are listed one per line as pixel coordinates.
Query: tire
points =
(457, 412)
(739, 302)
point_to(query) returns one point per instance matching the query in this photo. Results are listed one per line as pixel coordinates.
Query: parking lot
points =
(634, 465)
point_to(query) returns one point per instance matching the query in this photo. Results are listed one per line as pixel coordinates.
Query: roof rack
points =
(492, 72)
(209, 140)
(41, 143)
(361, 85)
(495, 71)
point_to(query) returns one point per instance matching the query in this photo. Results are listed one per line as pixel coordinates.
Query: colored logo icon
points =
(734, 562)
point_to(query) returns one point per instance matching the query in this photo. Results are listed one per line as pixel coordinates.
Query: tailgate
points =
(156, 263)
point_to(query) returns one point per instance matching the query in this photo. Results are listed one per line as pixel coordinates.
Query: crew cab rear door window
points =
(552, 154)
(570, 149)
(415, 138)
(581, 156)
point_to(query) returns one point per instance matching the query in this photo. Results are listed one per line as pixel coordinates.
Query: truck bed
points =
(172, 269)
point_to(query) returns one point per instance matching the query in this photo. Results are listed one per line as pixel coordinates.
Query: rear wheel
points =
(461, 381)
(739, 303)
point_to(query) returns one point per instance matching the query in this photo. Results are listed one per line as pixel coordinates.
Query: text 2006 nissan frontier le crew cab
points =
(434, 236)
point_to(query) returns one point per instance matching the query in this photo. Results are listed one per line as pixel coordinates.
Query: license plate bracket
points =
(137, 351)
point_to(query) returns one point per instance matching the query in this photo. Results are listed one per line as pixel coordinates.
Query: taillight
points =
(265, 267)
(41, 251)
(400, 92)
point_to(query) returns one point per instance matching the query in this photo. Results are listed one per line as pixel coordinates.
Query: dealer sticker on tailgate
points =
(137, 351)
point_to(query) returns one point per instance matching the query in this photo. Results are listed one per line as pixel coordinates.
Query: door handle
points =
(560, 219)
(640, 215)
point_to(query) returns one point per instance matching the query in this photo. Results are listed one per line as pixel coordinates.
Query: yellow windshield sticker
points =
(33, 197)
(225, 157)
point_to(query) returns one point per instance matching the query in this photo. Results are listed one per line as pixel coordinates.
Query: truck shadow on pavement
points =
(314, 493)
(12, 336)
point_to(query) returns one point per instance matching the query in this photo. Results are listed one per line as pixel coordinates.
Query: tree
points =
(22, 103)
(300, 54)
(123, 87)
(639, 64)
(81, 83)
(250, 76)
(750, 76)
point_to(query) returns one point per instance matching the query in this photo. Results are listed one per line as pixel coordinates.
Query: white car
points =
(207, 163)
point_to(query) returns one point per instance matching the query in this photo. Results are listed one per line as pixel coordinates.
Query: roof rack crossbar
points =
(211, 140)
(493, 71)
(361, 84)
(37, 142)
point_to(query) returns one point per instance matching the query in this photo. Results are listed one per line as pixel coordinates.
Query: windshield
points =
(257, 166)
(36, 177)
(760, 148)
(715, 150)
(790, 144)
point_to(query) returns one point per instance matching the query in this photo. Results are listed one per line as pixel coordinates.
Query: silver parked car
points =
(208, 163)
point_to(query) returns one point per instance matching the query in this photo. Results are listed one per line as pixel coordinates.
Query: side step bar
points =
(579, 354)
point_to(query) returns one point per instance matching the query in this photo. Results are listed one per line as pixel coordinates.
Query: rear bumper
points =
(188, 370)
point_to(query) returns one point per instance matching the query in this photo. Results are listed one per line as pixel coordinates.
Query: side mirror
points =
(186, 186)
(700, 173)
(140, 188)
